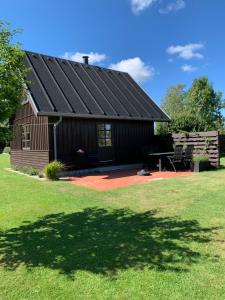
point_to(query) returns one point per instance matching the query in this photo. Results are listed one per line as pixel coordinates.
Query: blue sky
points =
(160, 42)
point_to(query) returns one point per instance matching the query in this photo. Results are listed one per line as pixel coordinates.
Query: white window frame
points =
(26, 136)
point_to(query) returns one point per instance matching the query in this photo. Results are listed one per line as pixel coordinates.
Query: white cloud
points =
(94, 57)
(173, 7)
(188, 68)
(135, 67)
(139, 5)
(187, 52)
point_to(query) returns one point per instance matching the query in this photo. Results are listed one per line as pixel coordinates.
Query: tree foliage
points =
(198, 109)
(173, 105)
(5, 134)
(12, 73)
(205, 103)
(174, 100)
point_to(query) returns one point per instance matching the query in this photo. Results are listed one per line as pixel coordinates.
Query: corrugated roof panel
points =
(66, 87)
(39, 95)
(130, 94)
(75, 89)
(81, 89)
(57, 98)
(146, 103)
(105, 75)
(93, 89)
(130, 100)
(156, 109)
(92, 72)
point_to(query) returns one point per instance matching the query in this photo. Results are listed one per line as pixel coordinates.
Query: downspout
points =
(55, 136)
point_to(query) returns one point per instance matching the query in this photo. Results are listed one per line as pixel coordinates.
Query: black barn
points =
(73, 106)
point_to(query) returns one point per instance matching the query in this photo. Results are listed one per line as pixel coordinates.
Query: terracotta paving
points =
(114, 180)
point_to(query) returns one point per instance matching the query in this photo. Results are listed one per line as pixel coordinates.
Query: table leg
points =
(160, 164)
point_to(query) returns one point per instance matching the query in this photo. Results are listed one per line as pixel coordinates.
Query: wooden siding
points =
(34, 159)
(130, 137)
(38, 126)
(203, 142)
(127, 136)
(38, 155)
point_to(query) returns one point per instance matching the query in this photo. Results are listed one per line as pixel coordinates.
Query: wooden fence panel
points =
(204, 143)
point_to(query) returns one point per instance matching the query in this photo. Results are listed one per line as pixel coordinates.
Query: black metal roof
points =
(62, 87)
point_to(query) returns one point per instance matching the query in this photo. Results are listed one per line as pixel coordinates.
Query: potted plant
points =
(200, 163)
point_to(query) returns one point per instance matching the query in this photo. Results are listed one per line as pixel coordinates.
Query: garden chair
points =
(177, 157)
(188, 155)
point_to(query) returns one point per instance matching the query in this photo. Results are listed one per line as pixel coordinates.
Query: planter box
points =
(199, 166)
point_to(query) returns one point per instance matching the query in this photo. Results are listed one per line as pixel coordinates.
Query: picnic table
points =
(160, 156)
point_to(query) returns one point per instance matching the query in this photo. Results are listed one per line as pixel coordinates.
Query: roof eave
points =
(89, 116)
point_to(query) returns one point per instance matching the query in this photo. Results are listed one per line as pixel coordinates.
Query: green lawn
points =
(160, 240)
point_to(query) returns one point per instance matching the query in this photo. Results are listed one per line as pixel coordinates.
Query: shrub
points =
(30, 171)
(27, 170)
(6, 150)
(198, 158)
(16, 167)
(53, 169)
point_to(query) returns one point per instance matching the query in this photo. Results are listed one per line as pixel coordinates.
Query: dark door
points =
(105, 142)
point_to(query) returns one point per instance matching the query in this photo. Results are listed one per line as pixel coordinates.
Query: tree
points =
(204, 102)
(173, 102)
(5, 134)
(198, 109)
(12, 73)
(173, 105)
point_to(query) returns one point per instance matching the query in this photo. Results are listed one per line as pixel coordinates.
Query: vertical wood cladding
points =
(72, 134)
(127, 136)
(38, 127)
(38, 155)
(130, 137)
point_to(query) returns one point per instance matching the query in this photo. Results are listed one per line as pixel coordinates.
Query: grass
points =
(159, 240)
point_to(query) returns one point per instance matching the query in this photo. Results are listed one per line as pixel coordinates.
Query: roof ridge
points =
(73, 61)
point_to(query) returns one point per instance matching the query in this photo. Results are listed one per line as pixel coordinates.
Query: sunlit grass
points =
(159, 240)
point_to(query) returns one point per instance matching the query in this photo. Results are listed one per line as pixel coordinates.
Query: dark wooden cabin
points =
(73, 106)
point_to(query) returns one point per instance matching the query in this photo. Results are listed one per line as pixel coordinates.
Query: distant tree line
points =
(196, 109)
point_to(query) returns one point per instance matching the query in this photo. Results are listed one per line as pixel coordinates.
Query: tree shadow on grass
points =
(103, 242)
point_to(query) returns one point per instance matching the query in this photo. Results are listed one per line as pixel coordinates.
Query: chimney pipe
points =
(86, 58)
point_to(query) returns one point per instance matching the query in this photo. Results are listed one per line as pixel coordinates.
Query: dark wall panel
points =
(38, 155)
(34, 159)
(38, 127)
(128, 138)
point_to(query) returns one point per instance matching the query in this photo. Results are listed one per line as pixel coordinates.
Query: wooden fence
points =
(205, 143)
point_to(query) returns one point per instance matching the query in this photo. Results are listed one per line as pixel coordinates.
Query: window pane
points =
(101, 126)
(101, 134)
(108, 126)
(104, 134)
(108, 142)
(108, 134)
(25, 136)
(101, 143)
(28, 136)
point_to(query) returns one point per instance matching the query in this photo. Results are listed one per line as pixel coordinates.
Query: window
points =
(104, 135)
(26, 137)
